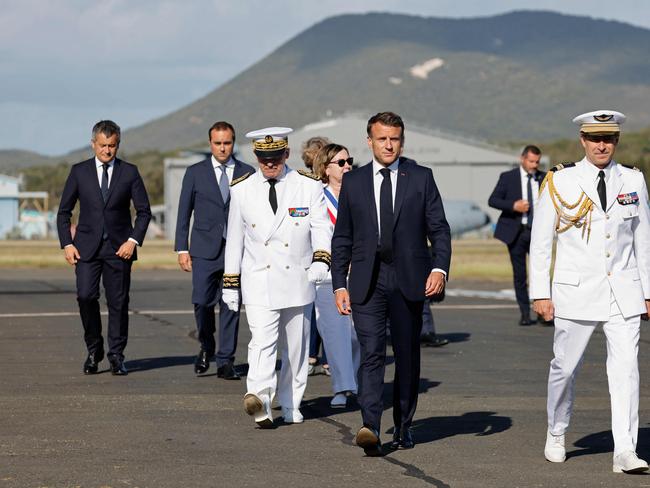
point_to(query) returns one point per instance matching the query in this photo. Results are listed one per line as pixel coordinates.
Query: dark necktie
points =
(104, 186)
(386, 218)
(224, 186)
(529, 196)
(602, 193)
(273, 197)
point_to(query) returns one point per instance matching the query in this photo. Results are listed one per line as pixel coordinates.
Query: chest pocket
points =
(629, 211)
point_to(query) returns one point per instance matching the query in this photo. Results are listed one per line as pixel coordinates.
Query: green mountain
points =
(517, 76)
(521, 75)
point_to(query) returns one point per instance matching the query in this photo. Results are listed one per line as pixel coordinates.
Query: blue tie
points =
(224, 186)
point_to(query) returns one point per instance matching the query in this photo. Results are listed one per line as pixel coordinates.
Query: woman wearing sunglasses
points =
(339, 339)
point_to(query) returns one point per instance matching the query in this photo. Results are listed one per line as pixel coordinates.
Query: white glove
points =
(317, 272)
(230, 297)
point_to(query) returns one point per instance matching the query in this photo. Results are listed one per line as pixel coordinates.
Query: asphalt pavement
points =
(480, 421)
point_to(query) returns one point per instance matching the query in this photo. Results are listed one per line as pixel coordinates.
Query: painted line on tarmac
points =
(31, 315)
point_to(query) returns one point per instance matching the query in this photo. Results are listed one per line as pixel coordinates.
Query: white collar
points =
(215, 163)
(376, 167)
(99, 164)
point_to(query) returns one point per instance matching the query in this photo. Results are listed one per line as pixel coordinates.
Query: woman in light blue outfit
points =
(337, 331)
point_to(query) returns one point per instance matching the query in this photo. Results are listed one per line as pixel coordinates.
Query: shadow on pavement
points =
(602, 442)
(477, 423)
(319, 407)
(146, 364)
(455, 336)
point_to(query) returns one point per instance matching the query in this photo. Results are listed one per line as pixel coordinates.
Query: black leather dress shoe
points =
(368, 439)
(227, 372)
(117, 366)
(91, 364)
(202, 362)
(432, 340)
(402, 439)
(526, 320)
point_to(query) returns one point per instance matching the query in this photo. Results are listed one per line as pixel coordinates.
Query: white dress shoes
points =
(292, 415)
(554, 449)
(259, 410)
(629, 462)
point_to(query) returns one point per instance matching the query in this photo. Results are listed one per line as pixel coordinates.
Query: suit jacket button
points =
(287, 267)
(286, 245)
(268, 266)
(297, 223)
(252, 225)
(266, 243)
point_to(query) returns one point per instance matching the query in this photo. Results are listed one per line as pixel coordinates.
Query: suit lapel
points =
(368, 191)
(92, 176)
(401, 190)
(516, 184)
(614, 186)
(211, 177)
(286, 196)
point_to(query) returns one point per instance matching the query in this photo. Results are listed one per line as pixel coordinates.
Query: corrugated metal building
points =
(464, 169)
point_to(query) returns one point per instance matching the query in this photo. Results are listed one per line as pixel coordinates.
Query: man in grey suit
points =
(205, 194)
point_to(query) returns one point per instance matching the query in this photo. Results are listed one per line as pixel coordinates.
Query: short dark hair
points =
(221, 125)
(390, 119)
(530, 148)
(108, 128)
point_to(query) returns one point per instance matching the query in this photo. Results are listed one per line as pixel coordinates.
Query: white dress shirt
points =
(230, 169)
(100, 171)
(523, 177)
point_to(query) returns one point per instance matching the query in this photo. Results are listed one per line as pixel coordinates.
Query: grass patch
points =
(485, 259)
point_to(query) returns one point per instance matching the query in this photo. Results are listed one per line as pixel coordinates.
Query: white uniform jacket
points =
(268, 255)
(614, 259)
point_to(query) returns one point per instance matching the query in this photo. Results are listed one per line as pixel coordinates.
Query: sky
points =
(65, 64)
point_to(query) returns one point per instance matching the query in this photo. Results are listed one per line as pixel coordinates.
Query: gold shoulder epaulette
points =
(308, 174)
(629, 166)
(240, 179)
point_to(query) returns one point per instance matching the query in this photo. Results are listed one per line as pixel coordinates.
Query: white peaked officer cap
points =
(600, 122)
(270, 142)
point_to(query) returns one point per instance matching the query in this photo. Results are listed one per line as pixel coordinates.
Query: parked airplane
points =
(464, 216)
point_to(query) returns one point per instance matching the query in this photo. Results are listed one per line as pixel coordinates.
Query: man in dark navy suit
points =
(387, 211)
(205, 193)
(105, 240)
(515, 195)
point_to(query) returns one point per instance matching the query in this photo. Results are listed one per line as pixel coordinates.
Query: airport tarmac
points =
(480, 422)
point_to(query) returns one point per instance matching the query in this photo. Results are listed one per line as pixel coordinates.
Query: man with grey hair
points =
(104, 244)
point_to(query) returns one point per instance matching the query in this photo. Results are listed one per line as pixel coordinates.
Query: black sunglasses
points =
(607, 139)
(341, 162)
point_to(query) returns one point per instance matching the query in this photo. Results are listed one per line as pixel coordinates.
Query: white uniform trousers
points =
(287, 330)
(339, 339)
(570, 341)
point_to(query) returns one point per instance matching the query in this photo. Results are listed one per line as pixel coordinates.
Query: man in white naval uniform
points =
(278, 247)
(598, 211)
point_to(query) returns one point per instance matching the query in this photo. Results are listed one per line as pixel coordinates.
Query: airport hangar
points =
(464, 169)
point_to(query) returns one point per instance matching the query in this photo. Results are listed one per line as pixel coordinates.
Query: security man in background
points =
(515, 195)
(278, 246)
(598, 211)
(205, 194)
